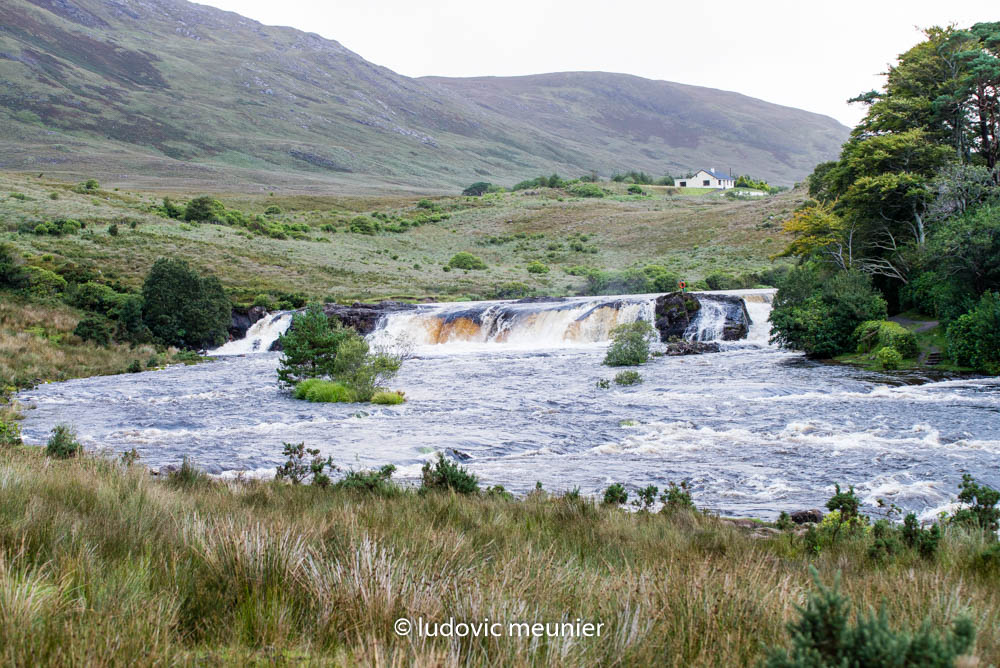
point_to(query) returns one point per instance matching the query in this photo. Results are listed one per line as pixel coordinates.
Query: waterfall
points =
(259, 337)
(759, 307)
(531, 324)
(708, 325)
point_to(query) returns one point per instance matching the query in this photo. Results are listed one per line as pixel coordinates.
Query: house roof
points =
(716, 174)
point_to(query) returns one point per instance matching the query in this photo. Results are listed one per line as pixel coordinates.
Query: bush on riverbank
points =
(241, 572)
(875, 334)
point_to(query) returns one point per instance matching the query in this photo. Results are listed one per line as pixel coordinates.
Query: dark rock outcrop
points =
(675, 348)
(806, 516)
(674, 312)
(364, 317)
(243, 319)
(737, 319)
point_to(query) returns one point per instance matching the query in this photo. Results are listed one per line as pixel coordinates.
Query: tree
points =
(316, 346)
(205, 209)
(477, 188)
(818, 313)
(309, 347)
(183, 308)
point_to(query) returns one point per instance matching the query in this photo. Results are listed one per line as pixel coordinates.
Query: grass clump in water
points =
(628, 378)
(324, 391)
(388, 398)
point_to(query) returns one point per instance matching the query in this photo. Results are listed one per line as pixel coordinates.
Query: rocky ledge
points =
(243, 319)
(363, 318)
(675, 311)
(675, 348)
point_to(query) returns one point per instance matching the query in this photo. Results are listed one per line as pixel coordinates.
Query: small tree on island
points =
(320, 347)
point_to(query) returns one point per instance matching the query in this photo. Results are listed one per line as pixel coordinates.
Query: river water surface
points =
(753, 429)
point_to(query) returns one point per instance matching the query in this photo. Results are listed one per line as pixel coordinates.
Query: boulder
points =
(737, 318)
(674, 312)
(364, 318)
(806, 516)
(675, 348)
(243, 319)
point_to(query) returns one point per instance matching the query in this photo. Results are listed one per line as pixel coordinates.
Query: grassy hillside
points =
(693, 236)
(185, 96)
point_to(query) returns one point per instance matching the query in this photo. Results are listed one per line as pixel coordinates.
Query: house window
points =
(706, 182)
(683, 184)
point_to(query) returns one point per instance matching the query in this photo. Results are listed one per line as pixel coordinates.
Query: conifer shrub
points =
(980, 506)
(377, 482)
(445, 474)
(676, 497)
(62, 444)
(824, 635)
(615, 495)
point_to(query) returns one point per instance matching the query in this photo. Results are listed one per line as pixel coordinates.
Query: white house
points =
(708, 178)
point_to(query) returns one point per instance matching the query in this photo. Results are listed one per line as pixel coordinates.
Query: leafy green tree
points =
(974, 338)
(465, 260)
(12, 274)
(630, 344)
(819, 314)
(183, 308)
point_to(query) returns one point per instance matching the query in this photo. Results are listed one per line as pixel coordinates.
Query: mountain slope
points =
(175, 92)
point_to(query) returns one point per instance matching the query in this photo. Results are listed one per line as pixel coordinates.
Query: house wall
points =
(699, 179)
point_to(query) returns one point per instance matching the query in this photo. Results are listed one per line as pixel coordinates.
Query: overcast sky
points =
(799, 53)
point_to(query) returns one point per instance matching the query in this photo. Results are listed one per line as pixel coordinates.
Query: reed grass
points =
(100, 563)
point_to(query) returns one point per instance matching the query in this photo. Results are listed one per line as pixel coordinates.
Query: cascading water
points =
(709, 324)
(259, 337)
(577, 320)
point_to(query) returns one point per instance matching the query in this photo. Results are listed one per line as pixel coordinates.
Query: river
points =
(753, 429)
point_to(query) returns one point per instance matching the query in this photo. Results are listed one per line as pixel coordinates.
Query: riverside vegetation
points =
(908, 218)
(100, 562)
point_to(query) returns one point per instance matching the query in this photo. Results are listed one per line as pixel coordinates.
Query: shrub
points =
(477, 188)
(44, 283)
(615, 495)
(587, 190)
(303, 462)
(91, 185)
(113, 229)
(513, 290)
(819, 314)
(629, 344)
(183, 308)
(981, 511)
(135, 367)
(628, 378)
(10, 433)
(12, 274)
(388, 398)
(62, 443)
(188, 475)
(205, 209)
(273, 210)
(465, 260)
(171, 210)
(824, 636)
(377, 482)
(362, 225)
(888, 358)
(447, 475)
(974, 338)
(875, 334)
(676, 497)
(537, 267)
(94, 328)
(635, 190)
(92, 296)
(720, 281)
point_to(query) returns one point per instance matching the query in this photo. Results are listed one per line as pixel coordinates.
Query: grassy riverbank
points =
(100, 563)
